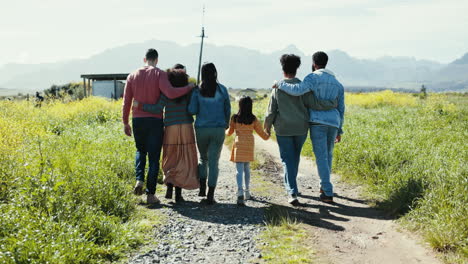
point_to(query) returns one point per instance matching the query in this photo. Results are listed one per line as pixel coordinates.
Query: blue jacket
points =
(326, 87)
(211, 111)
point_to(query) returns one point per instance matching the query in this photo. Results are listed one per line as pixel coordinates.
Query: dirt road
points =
(350, 231)
(346, 232)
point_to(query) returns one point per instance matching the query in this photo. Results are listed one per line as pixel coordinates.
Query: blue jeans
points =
(323, 141)
(243, 169)
(290, 151)
(148, 133)
(210, 143)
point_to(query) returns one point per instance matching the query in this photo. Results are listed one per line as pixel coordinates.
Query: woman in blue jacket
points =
(212, 107)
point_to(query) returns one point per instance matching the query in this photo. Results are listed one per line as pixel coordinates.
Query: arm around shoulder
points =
(193, 104)
(311, 101)
(297, 89)
(170, 91)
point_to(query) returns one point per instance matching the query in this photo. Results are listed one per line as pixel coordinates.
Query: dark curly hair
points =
(178, 79)
(290, 63)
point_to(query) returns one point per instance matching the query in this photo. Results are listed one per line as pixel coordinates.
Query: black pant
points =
(148, 133)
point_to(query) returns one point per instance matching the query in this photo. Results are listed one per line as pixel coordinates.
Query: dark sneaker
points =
(169, 191)
(152, 199)
(326, 199)
(178, 195)
(139, 188)
(293, 200)
(240, 201)
(295, 203)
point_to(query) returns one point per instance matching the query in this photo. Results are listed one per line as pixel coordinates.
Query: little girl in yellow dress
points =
(244, 123)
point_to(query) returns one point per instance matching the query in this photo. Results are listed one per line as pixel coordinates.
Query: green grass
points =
(411, 155)
(66, 172)
(284, 240)
(413, 160)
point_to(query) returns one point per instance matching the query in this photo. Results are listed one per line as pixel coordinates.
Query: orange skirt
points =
(180, 161)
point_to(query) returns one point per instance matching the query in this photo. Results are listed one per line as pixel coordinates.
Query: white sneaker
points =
(247, 195)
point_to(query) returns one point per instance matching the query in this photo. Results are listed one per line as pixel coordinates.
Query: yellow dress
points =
(243, 147)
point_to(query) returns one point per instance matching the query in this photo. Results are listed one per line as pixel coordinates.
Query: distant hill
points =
(11, 92)
(453, 75)
(243, 68)
(462, 61)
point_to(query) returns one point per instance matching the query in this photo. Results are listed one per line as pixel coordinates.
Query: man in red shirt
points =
(145, 85)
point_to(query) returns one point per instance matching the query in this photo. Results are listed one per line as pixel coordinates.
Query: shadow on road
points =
(258, 214)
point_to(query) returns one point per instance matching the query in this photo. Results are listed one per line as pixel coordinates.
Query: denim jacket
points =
(326, 87)
(211, 111)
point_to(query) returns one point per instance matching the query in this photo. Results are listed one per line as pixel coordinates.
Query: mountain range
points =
(240, 67)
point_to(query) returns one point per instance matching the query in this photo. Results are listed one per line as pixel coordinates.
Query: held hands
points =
(128, 130)
(338, 139)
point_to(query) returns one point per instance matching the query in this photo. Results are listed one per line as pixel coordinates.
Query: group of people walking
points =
(163, 104)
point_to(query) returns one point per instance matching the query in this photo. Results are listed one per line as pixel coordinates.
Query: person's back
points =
(179, 150)
(291, 113)
(211, 111)
(212, 107)
(175, 110)
(325, 126)
(242, 153)
(327, 87)
(145, 85)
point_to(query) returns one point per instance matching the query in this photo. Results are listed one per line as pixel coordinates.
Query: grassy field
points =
(66, 174)
(411, 155)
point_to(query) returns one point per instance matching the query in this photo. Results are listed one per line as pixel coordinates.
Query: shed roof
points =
(106, 77)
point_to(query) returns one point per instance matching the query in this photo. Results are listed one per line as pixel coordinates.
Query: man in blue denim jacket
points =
(326, 126)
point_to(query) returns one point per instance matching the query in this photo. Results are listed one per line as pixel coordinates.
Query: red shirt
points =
(145, 85)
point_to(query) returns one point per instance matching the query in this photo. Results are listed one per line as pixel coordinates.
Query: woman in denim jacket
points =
(212, 107)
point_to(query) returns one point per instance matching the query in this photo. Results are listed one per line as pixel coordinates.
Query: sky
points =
(40, 31)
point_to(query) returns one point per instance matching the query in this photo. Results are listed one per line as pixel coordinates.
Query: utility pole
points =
(202, 36)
